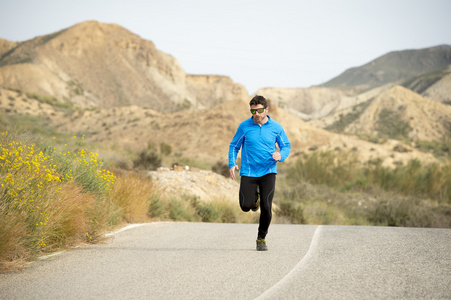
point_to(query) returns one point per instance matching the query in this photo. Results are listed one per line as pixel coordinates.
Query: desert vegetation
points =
(51, 101)
(440, 149)
(55, 196)
(346, 119)
(327, 188)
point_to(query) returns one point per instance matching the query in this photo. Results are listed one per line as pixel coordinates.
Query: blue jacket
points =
(258, 144)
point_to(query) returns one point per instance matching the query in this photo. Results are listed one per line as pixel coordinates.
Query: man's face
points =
(259, 112)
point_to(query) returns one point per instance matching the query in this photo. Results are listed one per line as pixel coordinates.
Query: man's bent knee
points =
(245, 208)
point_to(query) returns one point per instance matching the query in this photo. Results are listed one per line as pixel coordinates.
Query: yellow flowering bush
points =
(25, 176)
(47, 196)
(86, 169)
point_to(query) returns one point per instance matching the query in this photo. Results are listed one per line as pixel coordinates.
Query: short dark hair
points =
(259, 100)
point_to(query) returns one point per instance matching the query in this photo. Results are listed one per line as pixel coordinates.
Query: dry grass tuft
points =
(69, 221)
(133, 195)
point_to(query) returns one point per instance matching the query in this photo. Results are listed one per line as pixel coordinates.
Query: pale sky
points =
(280, 43)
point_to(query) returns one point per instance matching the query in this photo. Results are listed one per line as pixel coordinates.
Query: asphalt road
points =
(219, 261)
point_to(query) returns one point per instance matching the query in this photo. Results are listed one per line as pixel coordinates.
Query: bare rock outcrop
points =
(105, 65)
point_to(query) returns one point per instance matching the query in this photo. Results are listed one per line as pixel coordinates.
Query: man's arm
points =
(234, 148)
(284, 146)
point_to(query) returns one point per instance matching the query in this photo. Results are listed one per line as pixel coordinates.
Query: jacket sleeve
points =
(284, 144)
(235, 146)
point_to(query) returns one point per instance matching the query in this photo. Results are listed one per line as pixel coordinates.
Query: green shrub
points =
(165, 149)
(75, 87)
(148, 159)
(227, 214)
(390, 213)
(439, 149)
(390, 124)
(179, 210)
(221, 168)
(290, 210)
(207, 212)
(156, 207)
(50, 100)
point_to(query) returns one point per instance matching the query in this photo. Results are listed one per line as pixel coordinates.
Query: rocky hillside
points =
(203, 135)
(104, 65)
(401, 113)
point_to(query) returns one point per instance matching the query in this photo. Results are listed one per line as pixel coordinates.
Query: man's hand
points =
(277, 156)
(232, 171)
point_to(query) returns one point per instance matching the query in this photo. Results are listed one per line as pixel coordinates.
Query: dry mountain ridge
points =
(406, 113)
(435, 85)
(96, 64)
(394, 112)
(316, 102)
(425, 71)
(5, 47)
(395, 66)
(205, 134)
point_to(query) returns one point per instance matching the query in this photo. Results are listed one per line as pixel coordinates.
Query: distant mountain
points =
(394, 67)
(435, 85)
(96, 64)
(399, 113)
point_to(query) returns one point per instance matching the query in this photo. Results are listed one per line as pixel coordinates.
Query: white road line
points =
(272, 292)
(106, 235)
(49, 256)
(126, 228)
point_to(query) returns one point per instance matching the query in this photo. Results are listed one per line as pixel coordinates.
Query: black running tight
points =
(248, 186)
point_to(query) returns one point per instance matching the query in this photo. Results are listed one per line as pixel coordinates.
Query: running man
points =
(257, 138)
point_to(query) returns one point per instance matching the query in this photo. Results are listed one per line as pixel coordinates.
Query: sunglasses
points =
(259, 110)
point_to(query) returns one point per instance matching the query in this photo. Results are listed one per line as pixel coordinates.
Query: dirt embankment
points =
(207, 185)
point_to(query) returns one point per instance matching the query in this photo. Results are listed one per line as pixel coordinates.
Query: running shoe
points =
(261, 245)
